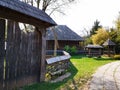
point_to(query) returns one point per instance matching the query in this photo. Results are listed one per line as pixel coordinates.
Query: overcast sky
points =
(83, 14)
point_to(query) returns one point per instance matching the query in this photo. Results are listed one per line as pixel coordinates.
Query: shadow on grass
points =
(78, 56)
(53, 86)
(103, 58)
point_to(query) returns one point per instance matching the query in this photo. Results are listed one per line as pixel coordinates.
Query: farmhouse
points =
(65, 36)
(22, 61)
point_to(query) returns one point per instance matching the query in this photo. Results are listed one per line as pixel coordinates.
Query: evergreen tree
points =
(95, 27)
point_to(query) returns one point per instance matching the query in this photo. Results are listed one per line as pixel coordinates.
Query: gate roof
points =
(22, 12)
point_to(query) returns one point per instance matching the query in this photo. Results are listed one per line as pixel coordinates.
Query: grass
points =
(81, 69)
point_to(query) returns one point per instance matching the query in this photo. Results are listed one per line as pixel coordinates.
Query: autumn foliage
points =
(100, 37)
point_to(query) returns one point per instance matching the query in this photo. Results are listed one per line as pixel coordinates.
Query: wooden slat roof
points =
(63, 33)
(108, 43)
(25, 9)
(93, 46)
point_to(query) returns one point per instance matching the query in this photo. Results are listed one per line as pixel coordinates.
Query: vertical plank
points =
(29, 58)
(10, 55)
(35, 60)
(2, 51)
(17, 41)
(22, 59)
(38, 48)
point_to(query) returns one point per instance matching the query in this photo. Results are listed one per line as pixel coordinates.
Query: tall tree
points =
(50, 6)
(100, 37)
(115, 34)
(117, 22)
(95, 27)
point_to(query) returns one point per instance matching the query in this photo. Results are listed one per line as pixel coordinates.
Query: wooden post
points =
(108, 51)
(99, 51)
(55, 41)
(114, 50)
(43, 55)
(88, 51)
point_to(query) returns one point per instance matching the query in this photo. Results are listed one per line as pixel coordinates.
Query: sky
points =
(80, 16)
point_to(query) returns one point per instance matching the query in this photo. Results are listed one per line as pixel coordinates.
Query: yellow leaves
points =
(101, 36)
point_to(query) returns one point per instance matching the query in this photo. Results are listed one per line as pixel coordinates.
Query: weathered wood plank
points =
(2, 51)
(36, 49)
(10, 56)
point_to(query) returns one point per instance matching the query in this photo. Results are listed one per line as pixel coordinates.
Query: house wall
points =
(94, 51)
(62, 44)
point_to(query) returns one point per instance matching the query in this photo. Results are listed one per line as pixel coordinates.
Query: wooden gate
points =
(20, 57)
(2, 52)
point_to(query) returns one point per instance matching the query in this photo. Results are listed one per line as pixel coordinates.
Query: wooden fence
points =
(20, 58)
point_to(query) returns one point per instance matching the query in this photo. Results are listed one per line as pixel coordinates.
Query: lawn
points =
(81, 69)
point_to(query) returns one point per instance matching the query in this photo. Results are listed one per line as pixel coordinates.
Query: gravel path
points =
(106, 77)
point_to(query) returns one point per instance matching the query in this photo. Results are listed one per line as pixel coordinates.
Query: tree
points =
(100, 37)
(95, 27)
(115, 34)
(117, 22)
(50, 6)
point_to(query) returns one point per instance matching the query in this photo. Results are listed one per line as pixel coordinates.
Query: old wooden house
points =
(22, 52)
(65, 36)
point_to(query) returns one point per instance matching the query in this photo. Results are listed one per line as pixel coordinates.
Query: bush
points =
(117, 57)
(67, 48)
(71, 50)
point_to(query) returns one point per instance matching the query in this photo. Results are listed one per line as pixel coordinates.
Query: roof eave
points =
(20, 17)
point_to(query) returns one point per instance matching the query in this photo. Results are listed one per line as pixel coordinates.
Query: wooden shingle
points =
(22, 12)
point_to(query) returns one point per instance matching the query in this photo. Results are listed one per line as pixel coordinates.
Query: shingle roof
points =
(63, 33)
(108, 43)
(93, 46)
(26, 9)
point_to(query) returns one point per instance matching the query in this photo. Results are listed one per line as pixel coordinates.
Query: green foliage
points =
(95, 27)
(88, 41)
(100, 37)
(117, 22)
(72, 50)
(115, 34)
(67, 48)
(117, 57)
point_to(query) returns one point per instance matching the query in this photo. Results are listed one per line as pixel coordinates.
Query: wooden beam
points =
(19, 17)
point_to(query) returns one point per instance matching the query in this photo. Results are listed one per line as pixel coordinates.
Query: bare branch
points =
(50, 6)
